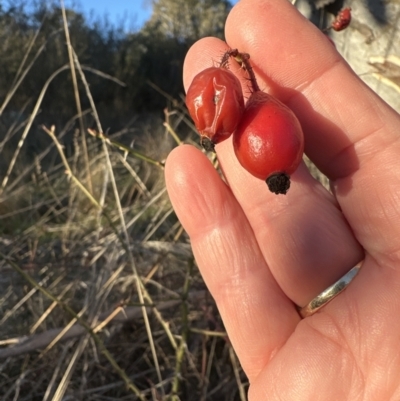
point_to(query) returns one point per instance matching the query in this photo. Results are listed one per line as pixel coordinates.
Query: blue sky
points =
(133, 12)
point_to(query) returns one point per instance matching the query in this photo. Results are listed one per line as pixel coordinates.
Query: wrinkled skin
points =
(261, 254)
(215, 103)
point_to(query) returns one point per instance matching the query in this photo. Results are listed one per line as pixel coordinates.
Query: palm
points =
(261, 254)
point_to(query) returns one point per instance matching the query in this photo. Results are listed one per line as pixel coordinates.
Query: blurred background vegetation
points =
(152, 54)
(132, 83)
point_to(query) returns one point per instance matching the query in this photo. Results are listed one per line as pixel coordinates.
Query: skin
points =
(260, 254)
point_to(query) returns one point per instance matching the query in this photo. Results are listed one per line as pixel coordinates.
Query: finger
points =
(303, 235)
(351, 134)
(257, 315)
(354, 155)
(300, 233)
(352, 338)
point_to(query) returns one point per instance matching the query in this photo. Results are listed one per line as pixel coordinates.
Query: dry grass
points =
(100, 297)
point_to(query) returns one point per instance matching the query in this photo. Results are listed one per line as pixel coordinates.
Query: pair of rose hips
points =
(267, 137)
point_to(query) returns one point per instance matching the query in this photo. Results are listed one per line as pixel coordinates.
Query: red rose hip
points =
(342, 20)
(268, 141)
(215, 103)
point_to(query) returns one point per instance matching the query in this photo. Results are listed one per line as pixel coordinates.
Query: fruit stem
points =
(243, 59)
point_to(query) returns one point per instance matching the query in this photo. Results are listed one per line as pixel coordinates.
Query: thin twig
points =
(180, 352)
(236, 370)
(170, 130)
(18, 82)
(28, 126)
(103, 75)
(125, 148)
(126, 240)
(77, 97)
(52, 135)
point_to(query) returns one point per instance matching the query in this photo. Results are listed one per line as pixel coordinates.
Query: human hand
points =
(262, 254)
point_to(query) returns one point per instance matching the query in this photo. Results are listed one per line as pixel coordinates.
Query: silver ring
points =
(333, 291)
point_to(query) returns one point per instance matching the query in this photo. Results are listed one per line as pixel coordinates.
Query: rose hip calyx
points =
(278, 183)
(207, 144)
